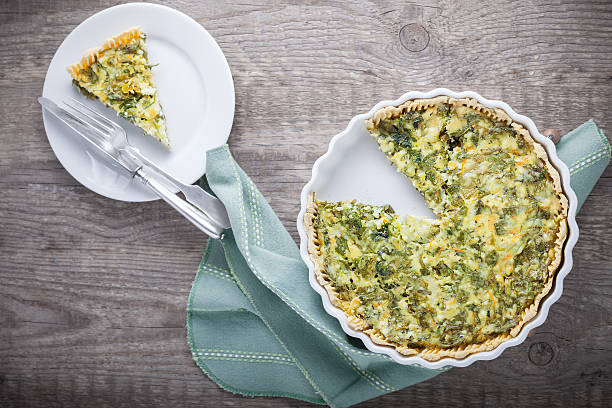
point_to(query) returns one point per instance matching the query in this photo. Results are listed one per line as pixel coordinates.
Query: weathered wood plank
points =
(93, 291)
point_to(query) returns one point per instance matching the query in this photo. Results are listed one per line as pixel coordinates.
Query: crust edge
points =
(92, 54)
(435, 354)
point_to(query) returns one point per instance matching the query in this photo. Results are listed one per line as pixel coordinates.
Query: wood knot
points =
(414, 37)
(541, 353)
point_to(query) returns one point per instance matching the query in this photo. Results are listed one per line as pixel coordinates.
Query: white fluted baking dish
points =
(354, 168)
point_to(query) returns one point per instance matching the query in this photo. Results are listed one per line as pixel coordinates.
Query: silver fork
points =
(201, 208)
(213, 207)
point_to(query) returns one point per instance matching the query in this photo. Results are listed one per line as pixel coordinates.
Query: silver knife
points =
(134, 165)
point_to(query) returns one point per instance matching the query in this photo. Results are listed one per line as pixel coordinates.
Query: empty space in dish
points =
(357, 170)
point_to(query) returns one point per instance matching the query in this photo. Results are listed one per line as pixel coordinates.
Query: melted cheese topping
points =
(121, 77)
(467, 276)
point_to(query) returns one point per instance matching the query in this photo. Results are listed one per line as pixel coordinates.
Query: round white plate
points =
(195, 86)
(354, 168)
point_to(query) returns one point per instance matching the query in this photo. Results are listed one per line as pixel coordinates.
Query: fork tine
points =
(92, 111)
(94, 116)
(86, 120)
(83, 127)
(98, 115)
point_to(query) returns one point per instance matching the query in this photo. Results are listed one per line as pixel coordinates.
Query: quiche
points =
(468, 280)
(119, 74)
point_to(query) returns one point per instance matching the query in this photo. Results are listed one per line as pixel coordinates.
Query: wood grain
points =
(93, 291)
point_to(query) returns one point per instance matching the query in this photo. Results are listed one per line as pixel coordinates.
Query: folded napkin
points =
(256, 327)
(586, 152)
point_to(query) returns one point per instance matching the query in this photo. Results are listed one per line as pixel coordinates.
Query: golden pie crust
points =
(434, 354)
(92, 54)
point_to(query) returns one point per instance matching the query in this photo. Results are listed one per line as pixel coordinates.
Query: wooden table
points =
(93, 291)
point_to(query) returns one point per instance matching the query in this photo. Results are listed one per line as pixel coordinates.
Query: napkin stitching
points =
(216, 268)
(218, 275)
(242, 354)
(578, 170)
(257, 215)
(602, 137)
(363, 373)
(253, 215)
(575, 162)
(237, 309)
(268, 353)
(253, 225)
(208, 356)
(214, 355)
(207, 269)
(265, 321)
(588, 159)
(258, 206)
(204, 367)
(374, 381)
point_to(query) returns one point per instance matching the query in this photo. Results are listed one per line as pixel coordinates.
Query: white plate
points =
(195, 86)
(354, 168)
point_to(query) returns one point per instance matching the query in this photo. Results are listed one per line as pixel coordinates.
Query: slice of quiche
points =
(469, 280)
(119, 74)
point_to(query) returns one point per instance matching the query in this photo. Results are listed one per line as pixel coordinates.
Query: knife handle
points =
(195, 216)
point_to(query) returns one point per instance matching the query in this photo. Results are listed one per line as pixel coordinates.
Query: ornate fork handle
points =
(205, 202)
(189, 211)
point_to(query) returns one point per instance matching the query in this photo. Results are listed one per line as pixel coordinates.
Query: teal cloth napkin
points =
(256, 327)
(586, 152)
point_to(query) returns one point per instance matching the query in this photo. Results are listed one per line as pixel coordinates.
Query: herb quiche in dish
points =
(469, 280)
(119, 74)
